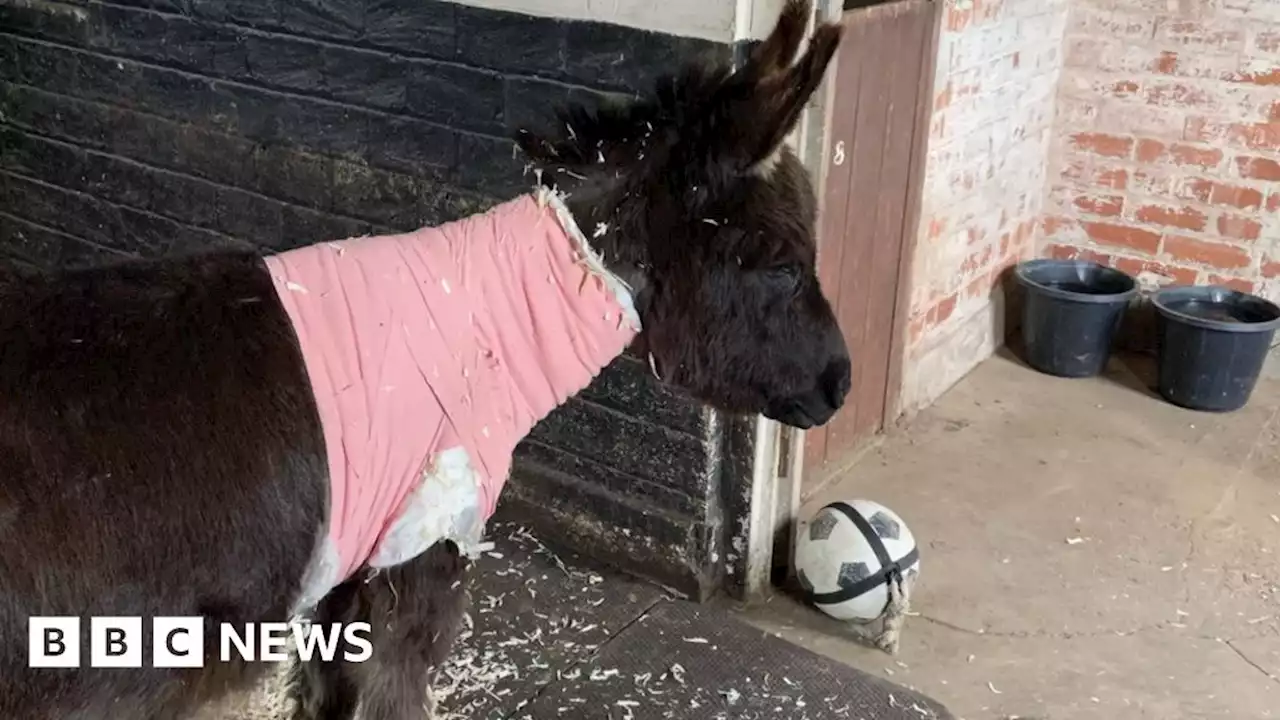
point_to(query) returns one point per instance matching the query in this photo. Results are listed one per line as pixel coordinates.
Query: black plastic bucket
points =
(1071, 313)
(1212, 342)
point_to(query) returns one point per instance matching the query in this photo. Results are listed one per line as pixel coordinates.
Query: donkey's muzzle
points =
(835, 383)
(815, 407)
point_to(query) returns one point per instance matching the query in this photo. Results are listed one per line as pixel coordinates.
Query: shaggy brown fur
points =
(160, 450)
(160, 454)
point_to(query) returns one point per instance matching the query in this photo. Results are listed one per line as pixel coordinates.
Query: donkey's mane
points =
(710, 119)
(654, 178)
(684, 119)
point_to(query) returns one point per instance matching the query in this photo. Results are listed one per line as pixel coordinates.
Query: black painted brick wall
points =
(148, 127)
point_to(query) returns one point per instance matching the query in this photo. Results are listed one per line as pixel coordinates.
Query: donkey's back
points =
(160, 454)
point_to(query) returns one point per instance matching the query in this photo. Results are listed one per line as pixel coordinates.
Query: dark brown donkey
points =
(168, 431)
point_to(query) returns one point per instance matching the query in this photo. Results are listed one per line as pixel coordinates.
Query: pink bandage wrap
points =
(431, 355)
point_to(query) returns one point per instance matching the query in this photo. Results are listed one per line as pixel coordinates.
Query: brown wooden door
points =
(873, 178)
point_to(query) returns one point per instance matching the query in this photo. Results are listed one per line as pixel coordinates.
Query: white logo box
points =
(178, 642)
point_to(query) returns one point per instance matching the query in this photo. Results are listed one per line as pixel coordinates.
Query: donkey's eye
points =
(786, 276)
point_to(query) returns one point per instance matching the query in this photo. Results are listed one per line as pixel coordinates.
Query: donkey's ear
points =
(779, 97)
(778, 51)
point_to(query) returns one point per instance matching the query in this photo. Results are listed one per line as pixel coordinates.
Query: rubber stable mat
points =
(533, 617)
(552, 636)
(560, 640)
(685, 661)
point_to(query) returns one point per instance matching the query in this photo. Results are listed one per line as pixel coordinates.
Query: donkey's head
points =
(693, 198)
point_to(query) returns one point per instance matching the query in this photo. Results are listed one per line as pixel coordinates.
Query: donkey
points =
(323, 433)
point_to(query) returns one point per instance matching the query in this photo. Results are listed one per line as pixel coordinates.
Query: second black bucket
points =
(1071, 313)
(1213, 341)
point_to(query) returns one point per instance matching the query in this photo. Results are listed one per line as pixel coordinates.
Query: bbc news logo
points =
(178, 642)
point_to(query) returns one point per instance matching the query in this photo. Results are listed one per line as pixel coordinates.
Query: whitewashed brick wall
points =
(998, 67)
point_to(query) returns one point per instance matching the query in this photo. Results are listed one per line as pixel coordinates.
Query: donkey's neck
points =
(598, 205)
(432, 354)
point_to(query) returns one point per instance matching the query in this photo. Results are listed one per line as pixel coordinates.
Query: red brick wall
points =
(1166, 159)
(995, 82)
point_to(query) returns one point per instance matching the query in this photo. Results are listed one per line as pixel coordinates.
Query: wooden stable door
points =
(868, 207)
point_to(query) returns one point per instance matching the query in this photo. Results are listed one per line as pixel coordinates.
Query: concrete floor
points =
(1088, 551)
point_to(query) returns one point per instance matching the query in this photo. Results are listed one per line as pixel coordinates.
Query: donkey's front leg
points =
(322, 690)
(415, 613)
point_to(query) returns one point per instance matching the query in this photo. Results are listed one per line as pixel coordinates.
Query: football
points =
(848, 552)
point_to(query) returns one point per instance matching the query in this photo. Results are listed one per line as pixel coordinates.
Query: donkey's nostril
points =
(836, 382)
